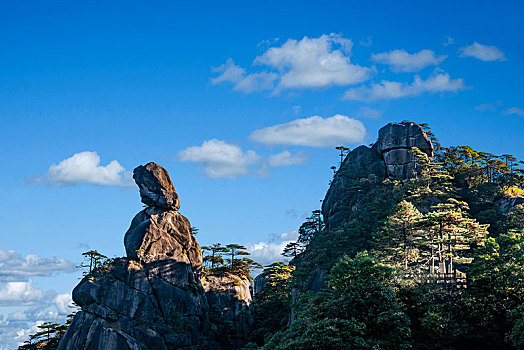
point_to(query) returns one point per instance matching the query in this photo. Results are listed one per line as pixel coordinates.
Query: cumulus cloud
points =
(369, 113)
(20, 293)
(285, 158)
(309, 63)
(482, 52)
(14, 266)
(269, 252)
(18, 325)
(402, 61)
(230, 72)
(514, 110)
(440, 82)
(84, 167)
(313, 131)
(220, 159)
(63, 303)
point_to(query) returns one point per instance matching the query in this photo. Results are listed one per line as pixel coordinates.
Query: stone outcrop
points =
(156, 188)
(230, 308)
(390, 157)
(157, 234)
(394, 144)
(153, 298)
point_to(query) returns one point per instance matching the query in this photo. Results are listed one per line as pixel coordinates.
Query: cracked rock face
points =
(394, 145)
(129, 305)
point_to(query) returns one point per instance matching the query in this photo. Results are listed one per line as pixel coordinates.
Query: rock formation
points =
(153, 299)
(390, 157)
(230, 308)
(394, 144)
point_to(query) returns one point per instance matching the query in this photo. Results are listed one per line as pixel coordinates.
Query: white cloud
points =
(440, 82)
(514, 110)
(285, 158)
(64, 303)
(20, 293)
(18, 325)
(402, 61)
(369, 113)
(482, 52)
(266, 253)
(13, 266)
(314, 63)
(309, 63)
(220, 159)
(230, 72)
(84, 167)
(313, 131)
(269, 252)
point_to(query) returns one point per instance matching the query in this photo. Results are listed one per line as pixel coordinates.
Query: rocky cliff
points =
(153, 298)
(389, 157)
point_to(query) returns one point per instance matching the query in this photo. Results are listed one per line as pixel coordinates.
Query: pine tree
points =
(313, 225)
(396, 241)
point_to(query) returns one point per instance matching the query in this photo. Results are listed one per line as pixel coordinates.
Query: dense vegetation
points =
(434, 262)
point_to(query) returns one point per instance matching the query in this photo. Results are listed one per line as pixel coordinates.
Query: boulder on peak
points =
(156, 188)
(403, 136)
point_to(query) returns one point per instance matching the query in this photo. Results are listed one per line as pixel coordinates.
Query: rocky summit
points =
(153, 298)
(389, 157)
(156, 188)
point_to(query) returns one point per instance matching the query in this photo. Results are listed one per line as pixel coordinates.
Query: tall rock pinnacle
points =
(159, 232)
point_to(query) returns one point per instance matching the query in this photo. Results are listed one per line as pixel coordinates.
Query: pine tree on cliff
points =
(95, 260)
(313, 225)
(396, 242)
(292, 249)
(215, 259)
(449, 234)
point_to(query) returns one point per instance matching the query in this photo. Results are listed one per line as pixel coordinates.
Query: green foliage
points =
(358, 310)
(217, 263)
(48, 336)
(442, 277)
(94, 261)
(272, 303)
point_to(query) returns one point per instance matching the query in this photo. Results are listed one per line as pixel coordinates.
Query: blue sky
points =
(242, 102)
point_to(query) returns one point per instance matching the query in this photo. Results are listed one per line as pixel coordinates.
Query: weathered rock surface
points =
(128, 305)
(156, 188)
(389, 157)
(394, 144)
(154, 299)
(157, 234)
(231, 308)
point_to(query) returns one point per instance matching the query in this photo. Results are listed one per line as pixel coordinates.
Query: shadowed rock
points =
(390, 157)
(154, 299)
(394, 144)
(156, 188)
